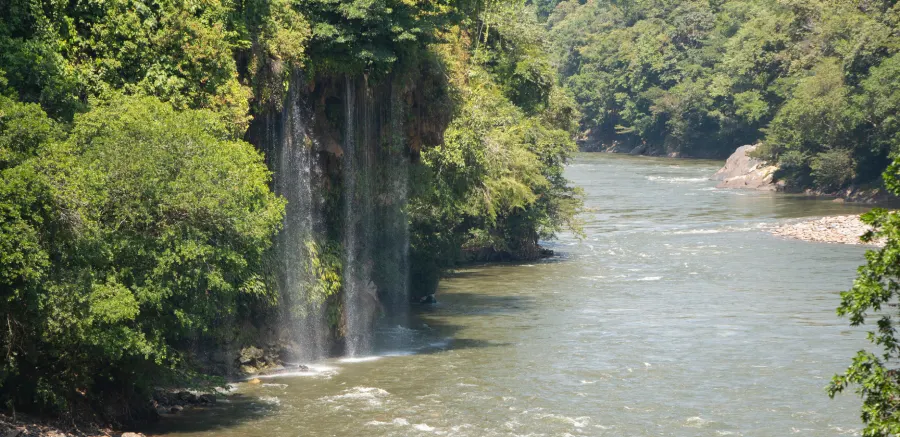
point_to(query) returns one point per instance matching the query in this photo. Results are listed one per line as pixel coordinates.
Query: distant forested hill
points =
(818, 82)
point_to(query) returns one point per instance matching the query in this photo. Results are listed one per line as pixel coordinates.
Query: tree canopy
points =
(812, 80)
(137, 218)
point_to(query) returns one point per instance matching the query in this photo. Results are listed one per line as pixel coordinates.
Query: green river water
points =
(676, 315)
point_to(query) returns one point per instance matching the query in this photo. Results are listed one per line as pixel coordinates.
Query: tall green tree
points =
(875, 374)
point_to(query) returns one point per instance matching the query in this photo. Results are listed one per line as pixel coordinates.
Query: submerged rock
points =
(743, 171)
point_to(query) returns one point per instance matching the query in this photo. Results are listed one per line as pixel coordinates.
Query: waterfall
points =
(295, 178)
(376, 234)
(360, 296)
(392, 262)
(373, 226)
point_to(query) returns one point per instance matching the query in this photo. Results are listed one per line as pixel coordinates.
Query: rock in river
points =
(743, 171)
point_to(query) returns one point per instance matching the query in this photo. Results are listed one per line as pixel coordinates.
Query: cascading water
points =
(295, 178)
(376, 235)
(392, 262)
(360, 295)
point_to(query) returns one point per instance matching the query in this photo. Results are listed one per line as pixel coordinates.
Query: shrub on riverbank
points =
(875, 293)
(143, 227)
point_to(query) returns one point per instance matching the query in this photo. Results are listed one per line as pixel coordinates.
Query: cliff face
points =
(340, 148)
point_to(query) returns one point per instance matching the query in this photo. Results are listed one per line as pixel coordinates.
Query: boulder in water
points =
(743, 171)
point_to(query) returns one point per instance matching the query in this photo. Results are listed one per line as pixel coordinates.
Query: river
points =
(676, 315)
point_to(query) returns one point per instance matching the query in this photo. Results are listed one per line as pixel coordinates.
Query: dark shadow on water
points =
(429, 332)
(236, 410)
(473, 304)
(493, 268)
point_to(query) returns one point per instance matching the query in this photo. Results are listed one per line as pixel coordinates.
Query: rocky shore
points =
(26, 426)
(843, 229)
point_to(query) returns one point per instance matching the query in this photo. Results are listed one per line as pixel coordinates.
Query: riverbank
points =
(842, 229)
(22, 425)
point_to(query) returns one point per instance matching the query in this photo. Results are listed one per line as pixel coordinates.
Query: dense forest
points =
(143, 213)
(137, 212)
(816, 82)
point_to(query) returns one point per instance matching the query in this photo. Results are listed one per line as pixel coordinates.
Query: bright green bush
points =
(874, 295)
(145, 227)
(833, 169)
(494, 187)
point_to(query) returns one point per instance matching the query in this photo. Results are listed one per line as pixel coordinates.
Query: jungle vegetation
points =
(816, 82)
(137, 214)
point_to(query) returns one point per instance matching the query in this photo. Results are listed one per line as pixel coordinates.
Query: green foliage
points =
(133, 221)
(875, 294)
(144, 227)
(494, 187)
(833, 169)
(325, 266)
(371, 35)
(700, 78)
(60, 55)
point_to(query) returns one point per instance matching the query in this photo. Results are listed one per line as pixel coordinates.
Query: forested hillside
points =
(137, 212)
(817, 82)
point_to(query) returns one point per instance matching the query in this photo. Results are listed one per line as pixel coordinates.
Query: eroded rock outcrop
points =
(743, 171)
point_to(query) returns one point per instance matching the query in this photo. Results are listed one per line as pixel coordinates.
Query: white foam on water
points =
(650, 278)
(360, 359)
(271, 400)
(696, 422)
(675, 179)
(699, 231)
(370, 395)
(592, 278)
(423, 427)
(314, 370)
(577, 422)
